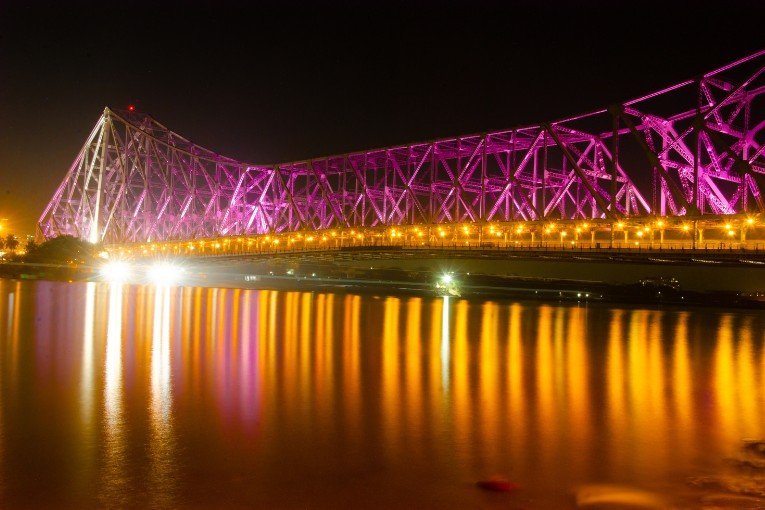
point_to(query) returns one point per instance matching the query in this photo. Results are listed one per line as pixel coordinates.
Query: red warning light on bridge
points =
(131, 107)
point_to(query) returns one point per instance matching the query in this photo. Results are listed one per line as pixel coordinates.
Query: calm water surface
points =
(135, 396)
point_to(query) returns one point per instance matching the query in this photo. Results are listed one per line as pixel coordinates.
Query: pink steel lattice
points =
(694, 149)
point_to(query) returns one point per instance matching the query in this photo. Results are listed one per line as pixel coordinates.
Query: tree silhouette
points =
(61, 250)
(11, 243)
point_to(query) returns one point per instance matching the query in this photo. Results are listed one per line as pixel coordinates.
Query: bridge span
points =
(679, 168)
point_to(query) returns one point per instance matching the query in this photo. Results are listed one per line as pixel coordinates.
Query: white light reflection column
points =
(161, 475)
(115, 481)
(249, 388)
(445, 343)
(113, 366)
(160, 357)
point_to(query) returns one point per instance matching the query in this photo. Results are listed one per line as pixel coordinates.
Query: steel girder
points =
(692, 149)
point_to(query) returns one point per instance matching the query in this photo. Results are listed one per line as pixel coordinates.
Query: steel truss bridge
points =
(677, 161)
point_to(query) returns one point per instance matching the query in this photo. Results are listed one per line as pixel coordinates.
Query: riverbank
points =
(323, 276)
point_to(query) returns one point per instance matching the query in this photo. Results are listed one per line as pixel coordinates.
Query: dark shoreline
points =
(394, 282)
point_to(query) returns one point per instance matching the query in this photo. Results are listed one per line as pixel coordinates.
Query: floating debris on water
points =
(755, 446)
(742, 485)
(497, 484)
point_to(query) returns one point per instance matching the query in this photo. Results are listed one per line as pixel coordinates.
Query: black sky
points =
(285, 81)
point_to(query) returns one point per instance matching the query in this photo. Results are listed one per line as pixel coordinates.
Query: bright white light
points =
(447, 278)
(116, 271)
(163, 273)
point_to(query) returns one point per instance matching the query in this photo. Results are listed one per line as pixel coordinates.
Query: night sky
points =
(282, 81)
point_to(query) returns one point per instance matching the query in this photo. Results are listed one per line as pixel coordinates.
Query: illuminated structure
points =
(677, 158)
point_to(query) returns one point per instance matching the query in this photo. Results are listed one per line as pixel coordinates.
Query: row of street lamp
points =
(492, 233)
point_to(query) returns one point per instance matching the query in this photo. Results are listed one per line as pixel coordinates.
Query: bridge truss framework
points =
(694, 152)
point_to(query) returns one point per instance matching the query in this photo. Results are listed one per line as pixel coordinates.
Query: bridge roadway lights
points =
(674, 233)
(694, 152)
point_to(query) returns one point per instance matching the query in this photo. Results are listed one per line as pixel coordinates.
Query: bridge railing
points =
(229, 249)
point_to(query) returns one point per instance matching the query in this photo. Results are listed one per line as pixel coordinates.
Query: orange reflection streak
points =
(306, 334)
(161, 443)
(291, 346)
(413, 381)
(747, 389)
(210, 309)
(220, 344)
(5, 319)
(642, 425)
(142, 350)
(516, 387)
(435, 387)
(3, 368)
(724, 382)
(657, 380)
(558, 368)
(320, 349)
(762, 366)
(351, 363)
(648, 399)
(559, 391)
(273, 383)
(329, 360)
(186, 326)
(577, 368)
(213, 297)
(87, 362)
(265, 348)
(463, 412)
(270, 305)
(390, 370)
(489, 390)
(182, 333)
(233, 347)
(545, 374)
(250, 389)
(682, 390)
(144, 300)
(616, 398)
(196, 344)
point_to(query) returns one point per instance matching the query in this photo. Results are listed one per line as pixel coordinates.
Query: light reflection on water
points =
(162, 397)
(115, 483)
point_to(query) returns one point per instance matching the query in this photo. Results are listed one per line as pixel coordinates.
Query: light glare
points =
(115, 271)
(164, 274)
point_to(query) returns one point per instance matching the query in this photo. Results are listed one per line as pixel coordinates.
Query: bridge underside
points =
(693, 152)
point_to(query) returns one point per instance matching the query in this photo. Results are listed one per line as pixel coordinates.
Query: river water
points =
(141, 396)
